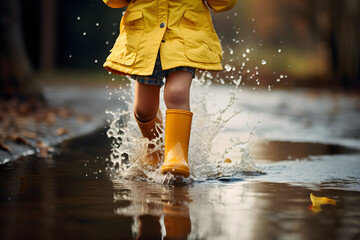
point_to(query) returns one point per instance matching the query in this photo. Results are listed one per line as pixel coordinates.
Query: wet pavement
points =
(71, 195)
(85, 107)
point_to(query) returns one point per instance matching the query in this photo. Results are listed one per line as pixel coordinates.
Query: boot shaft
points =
(177, 136)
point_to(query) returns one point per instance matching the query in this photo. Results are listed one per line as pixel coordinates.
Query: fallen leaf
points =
(50, 118)
(64, 113)
(61, 131)
(19, 139)
(28, 134)
(4, 147)
(318, 201)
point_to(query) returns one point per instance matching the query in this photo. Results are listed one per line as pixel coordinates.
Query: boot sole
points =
(175, 171)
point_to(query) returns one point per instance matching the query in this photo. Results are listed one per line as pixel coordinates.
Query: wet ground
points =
(300, 146)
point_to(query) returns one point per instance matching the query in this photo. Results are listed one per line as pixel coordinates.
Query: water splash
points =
(129, 147)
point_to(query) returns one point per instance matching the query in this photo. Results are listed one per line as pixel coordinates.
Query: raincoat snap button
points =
(162, 25)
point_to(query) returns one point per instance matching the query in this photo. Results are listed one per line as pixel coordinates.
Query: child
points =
(166, 39)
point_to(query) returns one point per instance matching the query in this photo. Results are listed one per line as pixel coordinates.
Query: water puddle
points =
(71, 195)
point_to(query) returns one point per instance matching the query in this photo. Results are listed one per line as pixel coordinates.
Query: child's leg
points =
(146, 102)
(178, 123)
(177, 90)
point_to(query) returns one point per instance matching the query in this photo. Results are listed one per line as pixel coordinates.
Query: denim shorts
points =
(159, 74)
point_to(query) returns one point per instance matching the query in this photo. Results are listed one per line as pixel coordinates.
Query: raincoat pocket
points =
(200, 40)
(126, 45)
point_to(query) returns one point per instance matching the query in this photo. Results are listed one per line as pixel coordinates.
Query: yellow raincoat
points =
(181, 29)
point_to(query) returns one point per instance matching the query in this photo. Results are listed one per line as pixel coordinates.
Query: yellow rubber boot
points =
(177, 135)
(151, 130)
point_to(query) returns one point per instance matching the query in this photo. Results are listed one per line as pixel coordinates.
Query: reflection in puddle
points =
(214, 210)
(151, 204)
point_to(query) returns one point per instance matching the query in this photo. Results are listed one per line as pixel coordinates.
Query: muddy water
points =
(307, 143)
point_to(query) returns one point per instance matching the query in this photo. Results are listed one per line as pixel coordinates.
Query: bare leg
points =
(177, 90)
(146, 102)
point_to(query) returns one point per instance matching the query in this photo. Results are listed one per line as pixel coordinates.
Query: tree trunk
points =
(16, 74)
(344, 40)
(47, 35)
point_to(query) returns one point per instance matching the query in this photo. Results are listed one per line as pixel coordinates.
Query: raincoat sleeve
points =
(221, 5)
(116, 3)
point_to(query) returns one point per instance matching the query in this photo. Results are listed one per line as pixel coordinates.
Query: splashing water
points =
(129, 147)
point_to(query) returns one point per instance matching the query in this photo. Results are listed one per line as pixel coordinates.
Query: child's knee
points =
(176, 97)
(145, 113)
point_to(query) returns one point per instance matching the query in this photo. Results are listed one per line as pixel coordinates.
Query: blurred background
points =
(278, 43)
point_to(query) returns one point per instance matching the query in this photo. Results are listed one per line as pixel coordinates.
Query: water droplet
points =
(247, 50)
(244, 55)
(253, 19)
(235, 14)
(278, 80)
(269, 87)
(281, 76)
(78, 18)
(263, 62)
(96, 61)
(227, 67)
(70, 56)
(279, 50)
(107, 42)
(231, 51)
(97, 24)
(84, 33)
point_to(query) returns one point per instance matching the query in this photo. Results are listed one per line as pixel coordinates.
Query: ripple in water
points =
(129, 147)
